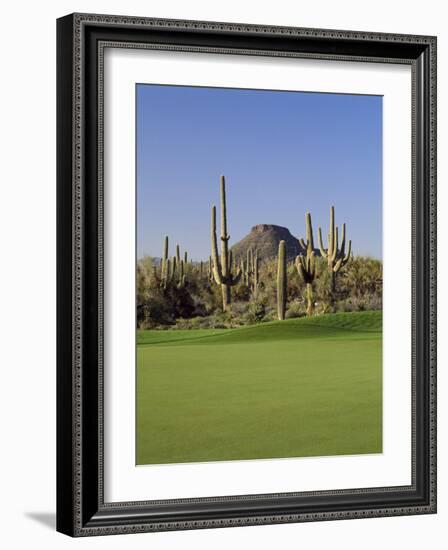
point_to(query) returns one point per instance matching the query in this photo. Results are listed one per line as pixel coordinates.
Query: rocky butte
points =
(265, 238)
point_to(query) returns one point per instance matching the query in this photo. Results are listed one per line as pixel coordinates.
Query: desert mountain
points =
(265, 239)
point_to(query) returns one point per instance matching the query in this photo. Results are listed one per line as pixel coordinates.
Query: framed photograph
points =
(246, 274)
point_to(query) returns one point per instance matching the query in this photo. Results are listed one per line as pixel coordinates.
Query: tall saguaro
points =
(306, 265)
(281, 281)
(335, 256)
(164, 266)
(256, 274)
(222, 267)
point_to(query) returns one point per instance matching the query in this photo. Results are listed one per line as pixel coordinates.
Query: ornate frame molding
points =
(84, 513)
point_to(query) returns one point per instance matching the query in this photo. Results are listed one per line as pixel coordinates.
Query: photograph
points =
(259, 274)
(246, 273)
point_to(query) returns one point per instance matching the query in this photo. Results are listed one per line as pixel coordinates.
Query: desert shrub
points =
(239, 308)
(296, 309)
(255, 312)
(195, 323)
(360, 285)
(155, 311)
(241, 293)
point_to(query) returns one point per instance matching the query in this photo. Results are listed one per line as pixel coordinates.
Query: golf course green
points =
(293, 388)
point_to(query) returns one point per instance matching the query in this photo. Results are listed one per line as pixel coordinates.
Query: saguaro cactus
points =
(210, 270)
(281, 280)
(306, 264)
(251, 272)
(165, 265)
(174, 267)
(243, 271)
(168, 274)
(181, 281)
(248, 268)
(171, 272)
(335, 256)
(168, 267)
(256, 275)
(222, 267)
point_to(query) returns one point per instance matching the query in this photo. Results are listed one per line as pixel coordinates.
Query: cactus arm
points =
(181, 281)
(256, 269)
(308, 246)
(299, 266)
(224, 236)
(337, 266)
(309, 232)
(331, 242)
(334, 253)
(343, 260)
(164, 271)
(302, 263)
(217, 273)
(216, 276)
(166, 277)
(321, 244)
(236, 278)
(342, 251)
(349, 251)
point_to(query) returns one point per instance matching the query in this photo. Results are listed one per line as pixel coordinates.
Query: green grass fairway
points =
(300, 387)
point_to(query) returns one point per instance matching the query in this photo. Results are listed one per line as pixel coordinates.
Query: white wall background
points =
(28, 271)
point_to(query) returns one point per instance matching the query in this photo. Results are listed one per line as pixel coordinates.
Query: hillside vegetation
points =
(197, 303)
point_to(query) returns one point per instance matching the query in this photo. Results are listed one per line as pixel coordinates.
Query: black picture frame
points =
(81, 510)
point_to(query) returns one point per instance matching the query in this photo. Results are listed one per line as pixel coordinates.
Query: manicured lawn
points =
(300, 387)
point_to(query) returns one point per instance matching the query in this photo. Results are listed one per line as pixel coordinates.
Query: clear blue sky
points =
(282, 153)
